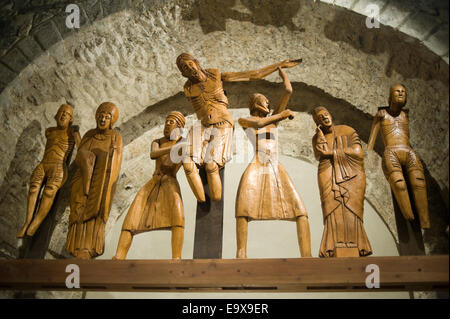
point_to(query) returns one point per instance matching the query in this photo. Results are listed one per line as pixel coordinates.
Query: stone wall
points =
(126, 53)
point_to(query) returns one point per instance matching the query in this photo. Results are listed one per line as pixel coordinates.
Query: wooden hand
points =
(287, 114)
(289, 63)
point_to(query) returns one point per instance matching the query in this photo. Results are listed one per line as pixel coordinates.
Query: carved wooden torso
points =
(59, 145)
(164, 165)
(394, 129)
(208, 99)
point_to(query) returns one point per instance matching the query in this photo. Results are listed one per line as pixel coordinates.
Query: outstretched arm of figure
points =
(258, 74)
(259, 122)
(374, 132)
(157, 151)
(287, 92)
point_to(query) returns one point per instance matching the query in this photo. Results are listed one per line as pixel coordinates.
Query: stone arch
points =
(30, 29)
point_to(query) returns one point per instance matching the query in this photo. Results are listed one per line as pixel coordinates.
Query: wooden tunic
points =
(158, 204)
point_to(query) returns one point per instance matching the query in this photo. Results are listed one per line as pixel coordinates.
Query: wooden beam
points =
(404, 273)
(209, 223)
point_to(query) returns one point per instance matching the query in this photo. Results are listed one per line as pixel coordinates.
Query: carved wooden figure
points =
(51, 173)
(98, 159)
(211, 144)
(158, 204)
(399, 157)
(342, 184)
(265, 191)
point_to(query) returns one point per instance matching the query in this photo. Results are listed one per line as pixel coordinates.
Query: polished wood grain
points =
(399, 273)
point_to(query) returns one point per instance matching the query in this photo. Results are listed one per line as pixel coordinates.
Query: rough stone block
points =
(445, 59)
(6, 42)
(6, 75)
(15, 60)
(438, 41)
(419, 25)
(30, 48)
(84, 19)
(47, 34)
(93, 10)
(60, 23)
(112, 6)
(344, 3)
(396, 12)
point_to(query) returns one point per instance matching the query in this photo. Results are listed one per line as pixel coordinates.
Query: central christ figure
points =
(210, 144)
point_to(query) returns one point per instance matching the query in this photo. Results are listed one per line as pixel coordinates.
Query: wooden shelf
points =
(404, 273)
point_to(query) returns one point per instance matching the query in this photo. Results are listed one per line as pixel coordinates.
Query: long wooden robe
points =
(342, 184)
(98, 159)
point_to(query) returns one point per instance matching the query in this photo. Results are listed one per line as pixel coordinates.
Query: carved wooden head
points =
(64, 116)
(258, 105)
(322, 116)
(106, 115)
(190, 67)
(397, 95)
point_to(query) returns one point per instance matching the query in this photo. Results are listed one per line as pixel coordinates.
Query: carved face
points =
(324, 118)
(261, 104)
(104, 121)
(191, 70)
(398, 95)
(169, 126)
(64, 117)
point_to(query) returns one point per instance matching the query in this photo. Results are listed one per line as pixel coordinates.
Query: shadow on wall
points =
(407, 56)
(212, 14)
(14, 188)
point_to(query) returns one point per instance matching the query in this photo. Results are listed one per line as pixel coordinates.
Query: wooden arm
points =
(157, 151)
(373, 133)
(287, 92)
(257, 74)
(77, 138)
(257, 123)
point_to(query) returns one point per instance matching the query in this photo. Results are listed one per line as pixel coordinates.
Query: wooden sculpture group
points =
(265, 191)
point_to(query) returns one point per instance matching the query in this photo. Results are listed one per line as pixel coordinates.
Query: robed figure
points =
(266, 191)
(98, 165)
(342, 184)
(158, 204)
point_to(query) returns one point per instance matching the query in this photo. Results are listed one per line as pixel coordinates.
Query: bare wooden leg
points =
(419, 190)
(194, 180)
(177, 241)
(400, 190)
(214, 183)
(241, 236)
(33, 195)
(46, 204)
(124, 245)
(304, 236)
